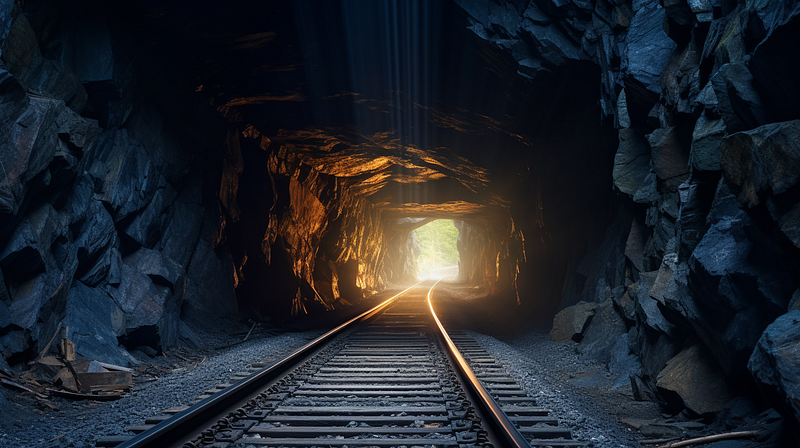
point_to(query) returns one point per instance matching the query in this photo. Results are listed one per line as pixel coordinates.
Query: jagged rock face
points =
(707, 114)
(100, 218)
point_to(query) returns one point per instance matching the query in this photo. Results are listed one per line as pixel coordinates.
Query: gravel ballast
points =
(578, 391)
(172, 381)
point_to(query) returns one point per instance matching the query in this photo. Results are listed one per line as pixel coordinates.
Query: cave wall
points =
(698, 273)
(108, 221)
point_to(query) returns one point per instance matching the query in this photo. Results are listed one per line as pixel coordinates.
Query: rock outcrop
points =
(706, 162)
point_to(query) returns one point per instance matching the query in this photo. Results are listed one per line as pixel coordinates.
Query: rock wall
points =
(705, 98)
(107, 234)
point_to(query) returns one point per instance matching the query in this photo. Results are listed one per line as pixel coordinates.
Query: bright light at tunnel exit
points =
(438, 258)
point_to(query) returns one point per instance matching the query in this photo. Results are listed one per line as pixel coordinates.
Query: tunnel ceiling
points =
(415, 113)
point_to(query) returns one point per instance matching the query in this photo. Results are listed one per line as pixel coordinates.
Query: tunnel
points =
(623, 173)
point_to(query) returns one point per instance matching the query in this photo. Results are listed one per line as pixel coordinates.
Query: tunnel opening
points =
(438, 250)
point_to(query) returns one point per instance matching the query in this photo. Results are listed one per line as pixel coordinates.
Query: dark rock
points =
(96, 234)
(790, 225)
(739, 411)
(139, 299)
(5, 313)
(623, 363)
(706, 141)
(634, 246)
(554, 46)
(692, 380)
(13, 342)
(648, 192)
(670, 158)
(183, 228)
(794, 303)
(570, 322)
(159, 268)
(648, 46)
(602, 332)
(94, 321)
(691, 224)
(209, 296)
(632, 161)
(724, 205)
(739, 103)
(38, 74)
(106, 267)
(147, 227)
(132, 178)
(728, 238)
(761, 161)
(678, 21)
(28, 250)
(647, 308)
(165, 151)
(626, 303)
(6, 16)
(775, 364)
(27, 301)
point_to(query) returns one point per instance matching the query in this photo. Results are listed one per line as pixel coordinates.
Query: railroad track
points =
(389, 377)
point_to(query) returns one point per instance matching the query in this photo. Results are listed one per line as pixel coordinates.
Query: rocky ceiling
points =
(402, 103)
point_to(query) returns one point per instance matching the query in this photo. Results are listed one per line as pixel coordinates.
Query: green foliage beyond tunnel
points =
(437, 241)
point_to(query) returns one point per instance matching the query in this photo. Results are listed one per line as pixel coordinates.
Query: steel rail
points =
(489, 407)
(187, 424)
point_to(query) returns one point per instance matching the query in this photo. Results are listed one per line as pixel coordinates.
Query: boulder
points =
(647, 47)
(94, 321)
(631, 162)
(739, 103)
(775, 365)
(601, 334)
(140, 300)
(570, 322)
(761, 161)
(692, 380)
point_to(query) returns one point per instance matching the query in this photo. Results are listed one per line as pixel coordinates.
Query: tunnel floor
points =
(581, 392)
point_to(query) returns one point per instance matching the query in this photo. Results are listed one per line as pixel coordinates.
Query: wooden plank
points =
(306, 442)
(105, 380)
(333, 420)
(360, 410)
(367, 393)
(299, 431)
(110, 441)
(370, 387)
(136, 429)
